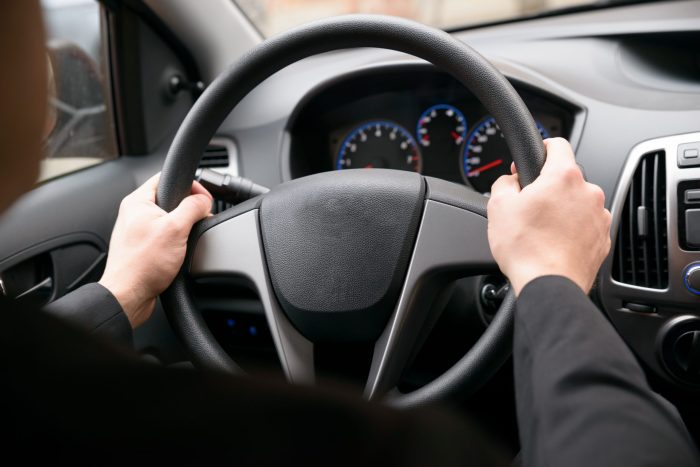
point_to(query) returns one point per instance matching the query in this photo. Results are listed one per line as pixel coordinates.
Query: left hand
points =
(148, 247)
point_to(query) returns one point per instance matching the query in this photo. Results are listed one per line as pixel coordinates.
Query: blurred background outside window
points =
(274, 16)
(80, 129)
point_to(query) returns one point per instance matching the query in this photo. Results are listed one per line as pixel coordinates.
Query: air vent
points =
(641, 250)
(216, 155)
(220, 154)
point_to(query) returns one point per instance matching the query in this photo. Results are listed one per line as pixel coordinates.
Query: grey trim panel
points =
(234, 247)
(215, 31)
(441, 248)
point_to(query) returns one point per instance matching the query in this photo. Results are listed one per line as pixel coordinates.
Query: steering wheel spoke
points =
(441, 254)
(233, 247)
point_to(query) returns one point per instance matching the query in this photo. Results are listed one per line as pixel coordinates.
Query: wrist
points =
(137, 308)
(524, 275)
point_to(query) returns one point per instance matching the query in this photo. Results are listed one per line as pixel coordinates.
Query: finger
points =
(505, 185)
(560, 155)
(198, 189)
(192, 209)
(148, 189)
(513, 170)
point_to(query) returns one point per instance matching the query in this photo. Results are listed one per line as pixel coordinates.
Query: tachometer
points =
(486, 156)
(442, 126)
(379, 144)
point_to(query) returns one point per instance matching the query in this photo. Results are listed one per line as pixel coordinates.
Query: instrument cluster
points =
(432, 126)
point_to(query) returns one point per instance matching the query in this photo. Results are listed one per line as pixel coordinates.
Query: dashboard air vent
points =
(215, 155)
(641, 250)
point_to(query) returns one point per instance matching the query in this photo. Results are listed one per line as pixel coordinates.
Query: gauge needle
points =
(488, 166)
(369, 166)
(454, 135)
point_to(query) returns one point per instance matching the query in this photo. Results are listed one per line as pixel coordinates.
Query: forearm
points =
(582, 398)
(95, 309)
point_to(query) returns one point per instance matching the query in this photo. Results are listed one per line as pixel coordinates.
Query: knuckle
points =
(597, 192)
(173, 225)
(571, 173)
(607, 218)
(606, 246)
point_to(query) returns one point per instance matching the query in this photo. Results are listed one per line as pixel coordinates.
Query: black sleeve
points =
(67, 398)
(95, 309)
(582, 398)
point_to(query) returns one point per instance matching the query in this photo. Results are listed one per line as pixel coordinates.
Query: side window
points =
(80, 129)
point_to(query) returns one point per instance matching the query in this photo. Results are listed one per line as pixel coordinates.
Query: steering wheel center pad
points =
(337, 246)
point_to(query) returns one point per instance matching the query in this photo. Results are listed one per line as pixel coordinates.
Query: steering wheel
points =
(352, 255)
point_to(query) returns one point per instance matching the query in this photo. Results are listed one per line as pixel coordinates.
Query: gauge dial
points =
(379, 145)
(486, 156)
(442, 126)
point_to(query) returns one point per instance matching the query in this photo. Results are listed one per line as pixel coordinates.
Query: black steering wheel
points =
(353, 255)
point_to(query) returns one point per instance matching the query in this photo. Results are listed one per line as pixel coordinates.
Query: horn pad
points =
(337, 246)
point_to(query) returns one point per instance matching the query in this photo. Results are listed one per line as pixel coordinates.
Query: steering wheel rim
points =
(435, 46)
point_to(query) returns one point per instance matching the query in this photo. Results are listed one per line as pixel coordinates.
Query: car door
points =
(119, 87)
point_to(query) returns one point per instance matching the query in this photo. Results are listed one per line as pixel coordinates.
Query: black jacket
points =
(95, 309)
(582, 399)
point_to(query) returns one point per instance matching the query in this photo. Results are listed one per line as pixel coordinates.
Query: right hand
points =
(558, 225)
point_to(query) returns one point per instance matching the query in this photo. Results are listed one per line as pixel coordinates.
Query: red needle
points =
(488, 166)
(369, 166)
(455, 135)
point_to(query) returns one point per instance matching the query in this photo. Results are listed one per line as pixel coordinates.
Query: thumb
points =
(192, 209)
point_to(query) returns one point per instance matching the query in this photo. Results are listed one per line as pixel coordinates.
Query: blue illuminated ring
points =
(364, 126)
(442, 107)
(686, 272)
(488, 119)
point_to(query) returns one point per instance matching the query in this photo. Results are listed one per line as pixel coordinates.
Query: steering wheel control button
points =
(692, 196)
(689, 154)
(692, 227)
(691, 278)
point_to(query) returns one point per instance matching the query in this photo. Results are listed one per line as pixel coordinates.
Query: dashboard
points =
(412, 118)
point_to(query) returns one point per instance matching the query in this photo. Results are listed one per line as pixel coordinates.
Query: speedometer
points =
(379, 145)
(486, 156)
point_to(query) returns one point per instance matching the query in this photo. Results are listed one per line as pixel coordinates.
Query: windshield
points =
(275, 16)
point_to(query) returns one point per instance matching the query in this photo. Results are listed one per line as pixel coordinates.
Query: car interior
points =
(134, 91)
